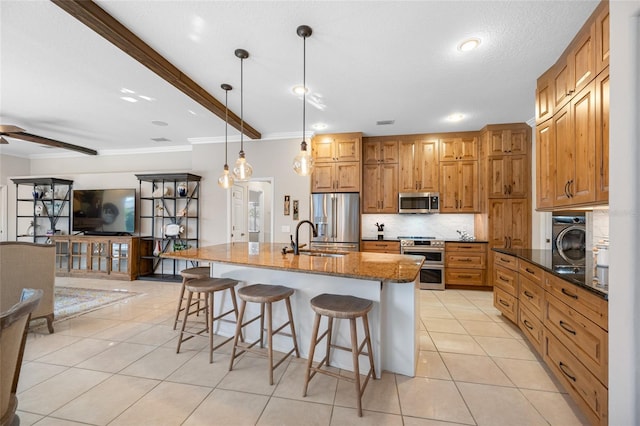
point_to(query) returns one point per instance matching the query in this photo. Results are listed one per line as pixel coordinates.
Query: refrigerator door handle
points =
(334, 205)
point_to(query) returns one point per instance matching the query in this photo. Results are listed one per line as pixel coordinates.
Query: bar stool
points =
(341, 307)
(264, 295)
(189, 274)
(206, 287)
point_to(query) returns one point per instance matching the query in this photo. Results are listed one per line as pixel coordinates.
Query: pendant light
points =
(242, 170)
(226, 179)
(303, 162)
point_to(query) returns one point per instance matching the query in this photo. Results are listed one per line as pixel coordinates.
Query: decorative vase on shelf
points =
(182, 189)
(31, 230)
(37, 192)
(158, 249)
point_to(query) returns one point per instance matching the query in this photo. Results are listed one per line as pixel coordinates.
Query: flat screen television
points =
(104, 211)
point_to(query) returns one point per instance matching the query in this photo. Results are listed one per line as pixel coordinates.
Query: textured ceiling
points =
(366, 61)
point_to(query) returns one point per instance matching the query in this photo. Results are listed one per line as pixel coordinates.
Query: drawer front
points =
(531, 327)
(509, 262)
(381, 246)
(583, 338)
(532, 272)
(588, 392)
(464, 276)
(506, 303)
(470, 260)
(466, 247)
(505, 279)
(532, 296)
(590, 305)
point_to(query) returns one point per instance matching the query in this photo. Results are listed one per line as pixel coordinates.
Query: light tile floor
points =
(118, 366)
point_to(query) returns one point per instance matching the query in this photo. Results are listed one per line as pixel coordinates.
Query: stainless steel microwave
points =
(418, 202)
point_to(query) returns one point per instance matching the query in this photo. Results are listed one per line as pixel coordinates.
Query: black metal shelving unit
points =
(44, 206)
(169, 221)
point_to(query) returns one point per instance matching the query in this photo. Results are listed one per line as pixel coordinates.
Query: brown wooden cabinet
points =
(99, 257)
(508, 176)
(418, 161)
(465, 264)
(380, 246)
(379, 150)
(509, 139)
(572, 134)
(575, 148)
(459, 148)
(459, 187)
(564, 322)
(380, 188)
(545, 165)
(509, 220)
(337, 162)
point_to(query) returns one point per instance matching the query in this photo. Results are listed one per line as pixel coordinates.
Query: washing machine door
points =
(571, 244)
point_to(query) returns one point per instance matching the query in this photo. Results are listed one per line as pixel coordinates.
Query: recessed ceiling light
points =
(319, 126)
(300, 90)
(455, 117)
(159, 123)
(469, 44)
(128, 99)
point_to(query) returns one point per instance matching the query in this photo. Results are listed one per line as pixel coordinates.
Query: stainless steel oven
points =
(432, 271)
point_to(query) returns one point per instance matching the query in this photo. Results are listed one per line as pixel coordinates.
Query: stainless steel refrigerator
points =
(338, 219)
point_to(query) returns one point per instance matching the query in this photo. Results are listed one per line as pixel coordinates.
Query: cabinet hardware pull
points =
(509, 188)
(574, 296)
(570, 192)
(466, 259)
(530, 271)
(464, 276)
(505, 190)
(503, 279)
(562, 367)
(529, 295)
(527, 324)
(465, 247)
(502, 258)
(567, 328)
(502, 302)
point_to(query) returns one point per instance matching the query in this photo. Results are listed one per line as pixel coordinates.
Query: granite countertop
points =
(370, 266)
(545, 260)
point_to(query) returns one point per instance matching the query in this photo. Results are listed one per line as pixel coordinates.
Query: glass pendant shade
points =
(303, 162)
(242, 169)
(226, 179)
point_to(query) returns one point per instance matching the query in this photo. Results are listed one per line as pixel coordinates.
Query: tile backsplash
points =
(440, 226)
(597, 226)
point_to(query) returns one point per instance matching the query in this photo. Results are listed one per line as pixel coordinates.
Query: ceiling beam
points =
(49, 142)
(96, 18)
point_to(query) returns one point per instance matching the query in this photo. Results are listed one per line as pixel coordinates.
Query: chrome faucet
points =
(295, 244)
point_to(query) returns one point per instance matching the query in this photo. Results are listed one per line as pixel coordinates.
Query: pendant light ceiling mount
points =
(303, 162)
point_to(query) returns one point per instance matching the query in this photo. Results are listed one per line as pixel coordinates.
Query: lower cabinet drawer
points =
(531, 295)
(506, 279)
(583, 337)
(509, 262)
(588, 304)
(464, 276)
(506, 303)
(466, 260)
(588, 392)
(531, 326)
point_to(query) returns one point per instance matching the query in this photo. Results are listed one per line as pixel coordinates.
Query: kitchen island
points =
(389, 280)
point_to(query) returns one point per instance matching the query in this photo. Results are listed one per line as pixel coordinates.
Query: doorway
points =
(252, 211)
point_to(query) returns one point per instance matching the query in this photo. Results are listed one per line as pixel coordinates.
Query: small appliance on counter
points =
(380, 227)
(601, 264)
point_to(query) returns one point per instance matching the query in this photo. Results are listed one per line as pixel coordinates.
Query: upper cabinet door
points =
(545, 165)
(602, 38)
(454, 149)
(582, 59)
(544, 96)
(347, 147)
(322, 149)
(427, 161)
(602, 136)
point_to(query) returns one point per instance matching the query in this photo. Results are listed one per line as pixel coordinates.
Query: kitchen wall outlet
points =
(285, 228)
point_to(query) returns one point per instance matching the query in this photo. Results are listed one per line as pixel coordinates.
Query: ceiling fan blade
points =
(9, 128)
(47, 141)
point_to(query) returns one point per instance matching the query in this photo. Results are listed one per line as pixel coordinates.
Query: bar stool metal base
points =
(341, 307)
(264, 295)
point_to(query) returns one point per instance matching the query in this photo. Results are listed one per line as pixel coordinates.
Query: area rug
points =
(72, 301)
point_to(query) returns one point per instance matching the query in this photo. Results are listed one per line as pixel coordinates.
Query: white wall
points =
(624, 213)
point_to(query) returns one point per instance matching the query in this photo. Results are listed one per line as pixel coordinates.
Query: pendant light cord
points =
(241, 106)
(304, 85)
(226, 126)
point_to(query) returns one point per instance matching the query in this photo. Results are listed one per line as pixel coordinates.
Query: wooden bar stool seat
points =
(205, 288)
(264, 295)
(194, 273)
(335, 306)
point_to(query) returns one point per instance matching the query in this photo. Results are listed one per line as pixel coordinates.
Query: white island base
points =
(393, 320)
